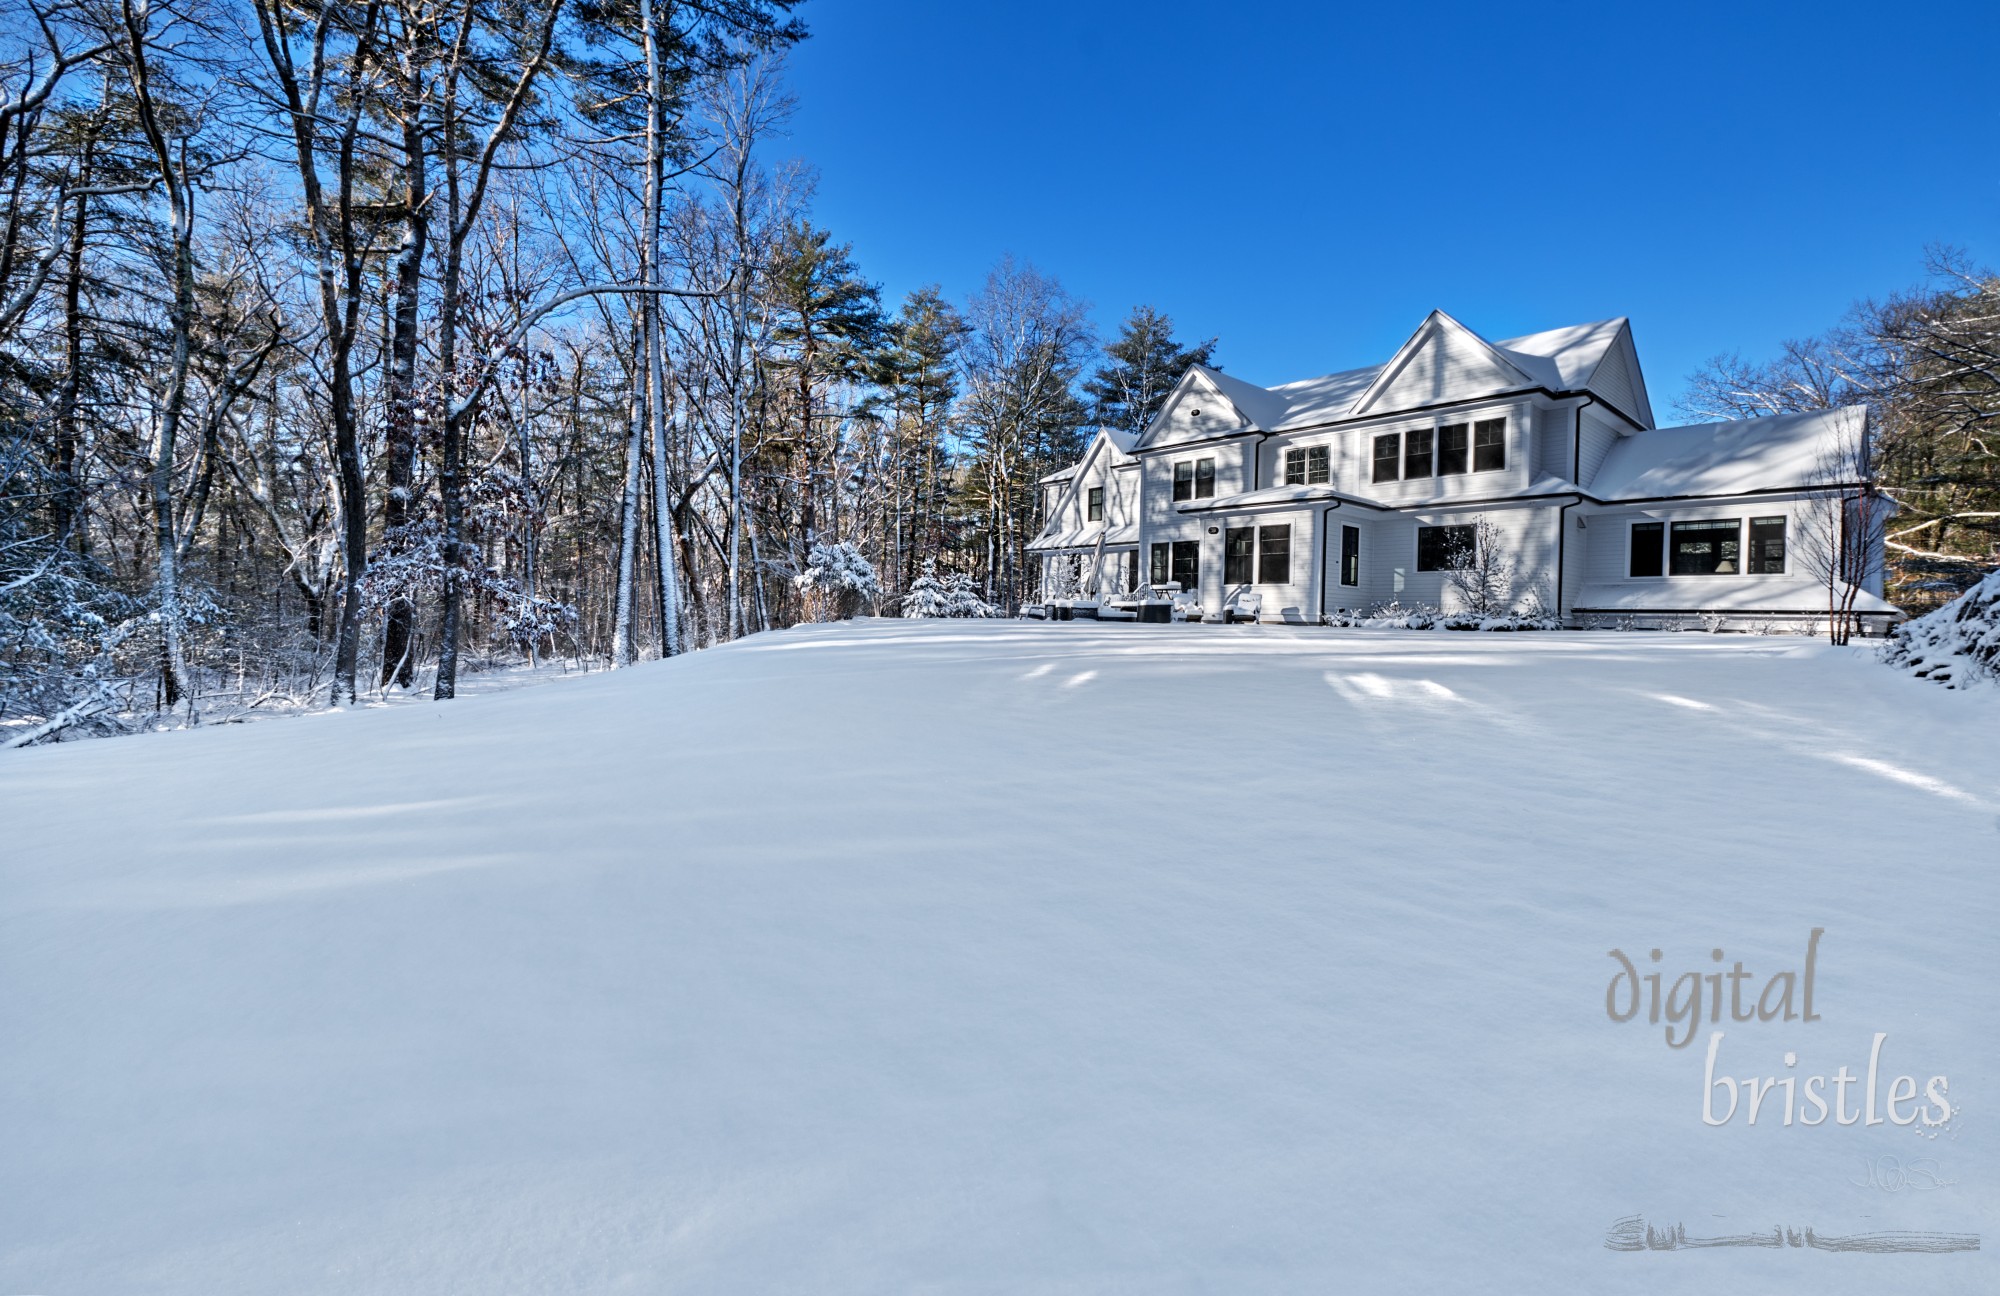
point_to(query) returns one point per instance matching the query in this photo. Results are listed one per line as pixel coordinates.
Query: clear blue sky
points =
(1306, 181)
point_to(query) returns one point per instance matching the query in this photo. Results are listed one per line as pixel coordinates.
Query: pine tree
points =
(1143, 364)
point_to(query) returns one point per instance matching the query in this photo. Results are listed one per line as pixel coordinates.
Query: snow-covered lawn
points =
(956, 957)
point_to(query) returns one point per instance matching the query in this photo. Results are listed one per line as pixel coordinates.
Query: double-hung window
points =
(1308, 466)
(1194, 479)
(1239, 554)
(1489, 445)
(1178, 561)
(1096, 504)
(1417, 453)
(1707, 548)
(1350, 555)
(1388, 456)
(1274, 555)
(1767, 546)
(1454, 442)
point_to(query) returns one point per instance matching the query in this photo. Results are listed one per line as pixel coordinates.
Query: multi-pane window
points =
(1194, 479)
(1489, 445)
(1388, 456)
(1162, 557)
(1186, 571)
(1454, 440)
(1131, 570)
(1767, 546)
(1417, 453)
(1350, 555)
(1307, 467)
(1709, 548)
(1274, 555)
(1441, 548)
(1649, 549)
(1239, 553)
(1096, 504)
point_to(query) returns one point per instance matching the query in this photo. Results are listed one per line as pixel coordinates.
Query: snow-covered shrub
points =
(1400, 616)
(1957, 644)
(836, 582)
(953, 595)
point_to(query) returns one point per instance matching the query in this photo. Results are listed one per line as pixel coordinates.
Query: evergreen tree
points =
(921, 384)
(1142, 365)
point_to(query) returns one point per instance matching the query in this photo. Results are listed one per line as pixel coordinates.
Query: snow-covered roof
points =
(1120, 442)
(1706, 593)
(1272, 496)
(1560, 359)
(1784, 451)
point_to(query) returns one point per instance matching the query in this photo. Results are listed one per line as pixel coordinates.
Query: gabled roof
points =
(1782, 452)
(1563, 359)
(1120, 441)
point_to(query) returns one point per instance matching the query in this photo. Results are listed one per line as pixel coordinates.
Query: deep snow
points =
(962, 957)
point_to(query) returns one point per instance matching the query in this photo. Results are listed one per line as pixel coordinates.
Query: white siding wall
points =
(1528, 532)
(1450, 366)
(1600, 433)
(1352, 455)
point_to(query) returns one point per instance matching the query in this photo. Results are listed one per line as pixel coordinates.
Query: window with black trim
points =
(1184, 480)
(1439, 547)
(1388, 456)
(1096, 504)
(1417, 453)
(1161, 558)
(1489, 445)
(1454, 442)
(1649, 549)
(1204, 478)
(1308, 466)
(1708, 548)
(1131, 570)
(1350, 555)
(1187, 564)
(1274, 555)
(1767, 546)
(1239, 553)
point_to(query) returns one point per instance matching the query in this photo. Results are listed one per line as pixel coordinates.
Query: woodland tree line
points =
(349, 344)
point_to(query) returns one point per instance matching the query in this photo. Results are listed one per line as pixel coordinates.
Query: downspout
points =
(1325, 526)
(1562, 541)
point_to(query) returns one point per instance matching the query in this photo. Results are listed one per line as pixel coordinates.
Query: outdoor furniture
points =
(1242, 606)
(1156, 611)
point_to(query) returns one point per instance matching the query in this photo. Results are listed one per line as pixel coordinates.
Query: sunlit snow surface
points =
(999, 958)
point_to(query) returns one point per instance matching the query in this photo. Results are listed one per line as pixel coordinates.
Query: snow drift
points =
(960, 956)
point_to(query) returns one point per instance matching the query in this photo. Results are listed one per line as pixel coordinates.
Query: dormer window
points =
(1096, 504)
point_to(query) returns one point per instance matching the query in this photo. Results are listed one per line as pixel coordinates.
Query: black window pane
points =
(1274, 555)
(1295, 467)
(1317, 473)
(1453, 442)
(1439, 547)
(1707, 548)
(1767, 546)
(1417, 453)
(1350, 555)
(1184, 479)
(1096, 504)
(1204, 478)
(1388, 456)
(1131, 570)
(1648, 549)
(1489, 445)
(1187, 563)
(1159, 574)
(1239, 550)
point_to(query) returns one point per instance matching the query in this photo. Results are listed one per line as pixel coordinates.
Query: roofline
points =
(1392, 367)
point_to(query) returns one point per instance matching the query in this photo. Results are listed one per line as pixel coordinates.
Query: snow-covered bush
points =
(953, 595)
(1957, 644)
(836, 582)
(1399, 616)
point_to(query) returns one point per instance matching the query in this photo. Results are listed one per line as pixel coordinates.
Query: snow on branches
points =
(837, 581)
(952, 595)
(1957, 644)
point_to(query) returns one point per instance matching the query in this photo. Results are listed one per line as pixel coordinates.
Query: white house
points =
(1356, 489)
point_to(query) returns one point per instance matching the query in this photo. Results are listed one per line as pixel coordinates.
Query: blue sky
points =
(1307, 181)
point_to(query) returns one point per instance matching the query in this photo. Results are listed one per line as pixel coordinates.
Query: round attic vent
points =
(1194, 413)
